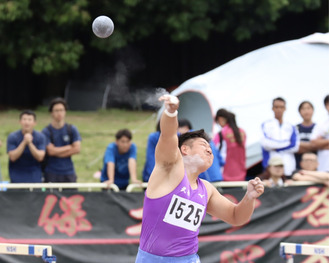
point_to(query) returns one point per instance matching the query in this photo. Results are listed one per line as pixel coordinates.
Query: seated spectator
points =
(26, 149)
(231, 141)
(308, 171)
(305, 128)
(150, 151)
(309, 161)
(120, 161)
(275, 173)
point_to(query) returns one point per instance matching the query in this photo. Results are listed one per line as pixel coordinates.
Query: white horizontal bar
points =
(114, 187)
(304, 249)
(24, 249)
(29, 250)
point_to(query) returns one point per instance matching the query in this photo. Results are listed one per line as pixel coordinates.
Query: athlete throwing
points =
(176, 200)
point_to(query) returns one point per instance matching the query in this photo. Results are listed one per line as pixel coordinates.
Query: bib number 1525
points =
(184, 213)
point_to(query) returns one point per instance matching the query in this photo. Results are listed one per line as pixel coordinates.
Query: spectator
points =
(308, 171)
(231, 141)
(150, 151)
(63, 140)
(120, 161)
(184, 126)
(309, 161)
(275, 173)
(305, 130)
(279, 138)
(26, 149)
(320, 140)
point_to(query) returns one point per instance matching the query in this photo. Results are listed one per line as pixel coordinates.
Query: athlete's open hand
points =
(255, 188)
(171, 102)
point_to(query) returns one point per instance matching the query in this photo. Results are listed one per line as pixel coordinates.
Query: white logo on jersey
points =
(183, 189)
(202, 196)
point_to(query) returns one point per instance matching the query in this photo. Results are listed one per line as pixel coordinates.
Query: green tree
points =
(50, 36)
(42, 34)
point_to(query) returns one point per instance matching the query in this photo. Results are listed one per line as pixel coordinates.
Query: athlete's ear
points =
(184, 149)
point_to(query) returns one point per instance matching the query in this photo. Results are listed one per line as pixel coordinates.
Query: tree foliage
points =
(50, 36)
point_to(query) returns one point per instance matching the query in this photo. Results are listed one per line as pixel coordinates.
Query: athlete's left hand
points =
(255, 188)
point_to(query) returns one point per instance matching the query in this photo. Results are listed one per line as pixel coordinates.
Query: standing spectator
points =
(305, 128)
(120, 161)
(231, 141)
(320, 140)
(26, 149)
(280, 138)
(63, 140)
(150, 151)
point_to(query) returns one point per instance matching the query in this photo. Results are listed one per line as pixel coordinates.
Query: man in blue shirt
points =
(63, 140)
(26, 148)
(150, 152)
(120, 161)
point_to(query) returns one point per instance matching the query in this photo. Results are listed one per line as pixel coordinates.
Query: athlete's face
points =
(27, 123)
(200, 147)
(58, 112)
(123, 144)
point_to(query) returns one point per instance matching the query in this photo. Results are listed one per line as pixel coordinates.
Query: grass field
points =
(97, 130)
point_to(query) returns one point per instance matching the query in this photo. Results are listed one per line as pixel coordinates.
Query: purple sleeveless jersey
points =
(171, 223)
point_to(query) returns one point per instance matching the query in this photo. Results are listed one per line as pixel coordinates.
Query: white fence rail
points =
(114, 187)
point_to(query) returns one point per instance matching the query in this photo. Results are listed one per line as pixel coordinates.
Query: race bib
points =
(184, 213)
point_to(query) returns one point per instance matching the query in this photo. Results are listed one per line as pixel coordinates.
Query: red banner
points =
(105, 226)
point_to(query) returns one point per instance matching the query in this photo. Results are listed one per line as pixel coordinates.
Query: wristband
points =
(171, 115)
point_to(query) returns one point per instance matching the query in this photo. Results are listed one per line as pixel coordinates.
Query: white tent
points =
(296, 70)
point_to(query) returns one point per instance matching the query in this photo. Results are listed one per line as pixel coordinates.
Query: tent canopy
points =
(295, 70)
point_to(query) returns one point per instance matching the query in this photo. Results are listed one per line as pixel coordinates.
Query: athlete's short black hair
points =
(192, 135)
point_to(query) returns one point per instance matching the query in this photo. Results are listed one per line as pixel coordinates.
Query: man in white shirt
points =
(279, 138)
(320, 140)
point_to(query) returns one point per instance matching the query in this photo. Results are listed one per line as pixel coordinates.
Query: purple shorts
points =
(144, 257)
